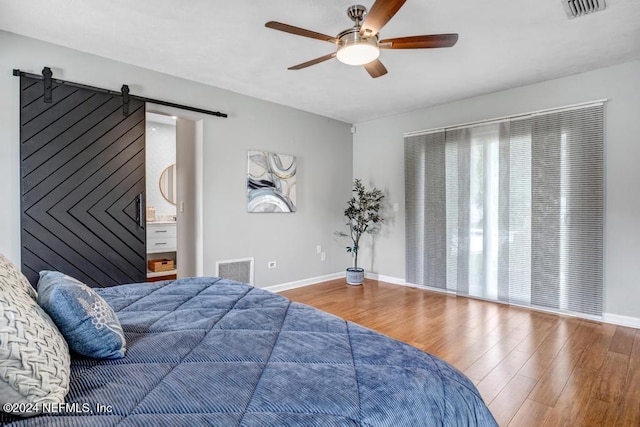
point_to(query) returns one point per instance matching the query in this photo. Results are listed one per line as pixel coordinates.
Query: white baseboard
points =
(305, 282)
(402, 282)
(388, 279)
(617, 319)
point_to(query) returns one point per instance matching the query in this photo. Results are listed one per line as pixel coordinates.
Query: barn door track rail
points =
(47, 78)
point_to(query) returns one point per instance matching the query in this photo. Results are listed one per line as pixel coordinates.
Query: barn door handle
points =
(139, 215)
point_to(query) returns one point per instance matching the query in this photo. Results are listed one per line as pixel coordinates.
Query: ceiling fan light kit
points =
(355, 50)
(360, 45)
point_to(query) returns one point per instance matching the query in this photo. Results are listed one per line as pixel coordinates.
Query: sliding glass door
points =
(510, 210)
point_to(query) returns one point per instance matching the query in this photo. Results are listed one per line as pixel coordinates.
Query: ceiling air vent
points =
(578, 8)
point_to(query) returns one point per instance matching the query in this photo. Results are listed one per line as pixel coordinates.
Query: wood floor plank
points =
(451, 350)
(511, 398)
(629, 414)
(595, 354)
(530, 414)
(481, 367)
(606, 329)
(472, 353)
(492, 384)
(612, 378)
(563, 371)
(552, 383)
(542, 358)
(599, 413)
(550, 386)
(622, 341)
(635, 351)
(570, 407)
(540, 333)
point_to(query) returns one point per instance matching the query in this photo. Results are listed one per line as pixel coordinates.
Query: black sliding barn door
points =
(82, 184)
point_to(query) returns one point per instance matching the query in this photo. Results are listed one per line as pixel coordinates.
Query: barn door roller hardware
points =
(46, 75)
(125, 100)
(126, 97)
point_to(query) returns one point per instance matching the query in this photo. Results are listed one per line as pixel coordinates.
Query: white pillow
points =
(34, 357)
(8, 270)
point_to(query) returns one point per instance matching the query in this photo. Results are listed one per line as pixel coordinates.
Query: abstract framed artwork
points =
(271, 182)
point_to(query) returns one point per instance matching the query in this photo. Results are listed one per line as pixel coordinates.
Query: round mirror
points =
(168, 183)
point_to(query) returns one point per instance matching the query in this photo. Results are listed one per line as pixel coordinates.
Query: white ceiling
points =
(502, 44)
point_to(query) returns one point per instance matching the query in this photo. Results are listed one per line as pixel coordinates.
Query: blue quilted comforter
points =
(208, 351)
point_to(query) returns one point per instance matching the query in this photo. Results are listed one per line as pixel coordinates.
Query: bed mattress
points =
(210, 351)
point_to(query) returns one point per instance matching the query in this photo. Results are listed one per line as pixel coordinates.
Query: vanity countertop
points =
(160, 222)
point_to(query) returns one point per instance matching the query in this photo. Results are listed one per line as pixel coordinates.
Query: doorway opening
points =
(174, 193)
(161, 197)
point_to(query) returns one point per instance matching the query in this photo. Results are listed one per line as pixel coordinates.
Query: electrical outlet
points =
(318, 249)
(272, 264)
(396, 207)
(323, 256)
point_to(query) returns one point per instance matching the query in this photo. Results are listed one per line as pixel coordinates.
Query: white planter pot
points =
(355, 276)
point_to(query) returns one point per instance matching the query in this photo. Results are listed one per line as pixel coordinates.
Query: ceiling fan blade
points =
(300, 32)
(313, 62)
(420, 42)
(375, 68)
(379, 14)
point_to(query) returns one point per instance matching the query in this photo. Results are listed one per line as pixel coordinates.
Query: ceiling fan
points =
(360, 44)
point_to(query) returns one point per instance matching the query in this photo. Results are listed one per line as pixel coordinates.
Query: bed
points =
(211, 351)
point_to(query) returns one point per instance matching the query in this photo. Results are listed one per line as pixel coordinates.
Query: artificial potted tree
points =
(363, 213)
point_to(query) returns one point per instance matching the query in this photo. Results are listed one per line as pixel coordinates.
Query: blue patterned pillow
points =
(86, 321)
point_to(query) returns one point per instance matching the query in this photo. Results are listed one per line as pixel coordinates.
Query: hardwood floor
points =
(532, 368)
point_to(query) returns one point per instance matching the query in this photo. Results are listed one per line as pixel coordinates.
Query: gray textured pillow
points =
(34, 357)
(8, 270)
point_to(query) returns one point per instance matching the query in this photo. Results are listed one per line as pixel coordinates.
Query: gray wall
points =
(323, 148)
(378, 159)
(186, 211)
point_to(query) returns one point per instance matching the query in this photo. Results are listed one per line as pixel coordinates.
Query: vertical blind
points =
(510, 211)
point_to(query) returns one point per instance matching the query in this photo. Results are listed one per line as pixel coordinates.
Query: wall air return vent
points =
(578, 8)
(240, 270)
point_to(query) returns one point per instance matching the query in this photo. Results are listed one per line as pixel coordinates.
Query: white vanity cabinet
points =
(162, 243)
(161, 237)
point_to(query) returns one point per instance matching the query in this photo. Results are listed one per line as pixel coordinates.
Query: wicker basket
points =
(156, 265)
